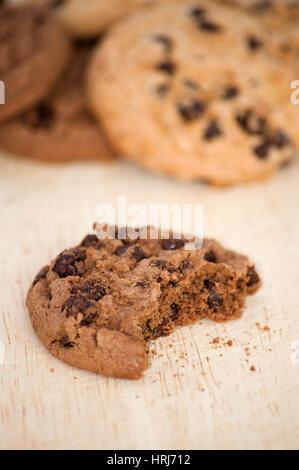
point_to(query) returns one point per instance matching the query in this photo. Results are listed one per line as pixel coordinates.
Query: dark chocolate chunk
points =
(138, 254)
(208, 25)
(214, 301)
(65, 342)
(91, 240)
(121, 249)
(75, 305)
(167, 67)
(66, 263)
(213, 130)
(262, 150)
(253, 277)
(210, 256)
(280, 139)
(230, 93)
(198, 12)
(88, 320)
(251, 122)
(209, 284)
(93, 290)
(42, 116)
(254, 43)
(191, 111)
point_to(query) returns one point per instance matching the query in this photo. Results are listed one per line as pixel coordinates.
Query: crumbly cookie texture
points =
(60, 128)
(97, 305)
(34, 51)
(195, 91)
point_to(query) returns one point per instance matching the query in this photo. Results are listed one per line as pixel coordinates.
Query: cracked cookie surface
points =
(96, 306)
(195, 91)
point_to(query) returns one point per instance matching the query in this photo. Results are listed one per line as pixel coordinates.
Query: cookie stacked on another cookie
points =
(97, 305)
(196, 91)
(60, 127)
(34, 51)
(45, 115)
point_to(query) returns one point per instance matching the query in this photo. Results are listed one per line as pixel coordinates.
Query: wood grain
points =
(195, 395)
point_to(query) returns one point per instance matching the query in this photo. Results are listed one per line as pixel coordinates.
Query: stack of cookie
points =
(45, 115)
(196, 90)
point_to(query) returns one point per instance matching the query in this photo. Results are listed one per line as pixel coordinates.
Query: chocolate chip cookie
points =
(91, 17)
(281, 18)
(195, 91)
(96, 306)
(60, 128)
(34, 51)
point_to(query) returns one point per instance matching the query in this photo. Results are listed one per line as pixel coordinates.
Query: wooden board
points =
(195, 395)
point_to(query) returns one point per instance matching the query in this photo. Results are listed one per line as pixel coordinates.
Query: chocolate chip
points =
(162, 89)
(75, 305)
(175, 308)
(251, 122)
(208, 25)
(121, 249)
(254, 43)
(41, 275)
(214, 301)
(210, 256)
(66, 263)
(191, 111)
(88, 320)
(172, 244)
(253, 277)
(159, 263)
(202, 21)
(280, 139)
(65, 342)
(213, 130)
(138, 254)
(209, 284)
(230, 93)
(141, 284)
(165, 41)
(93, 290)
(91, 240)
(42, 116)
(159, 279)
(167, 67)
(262, 150)
(197, 12)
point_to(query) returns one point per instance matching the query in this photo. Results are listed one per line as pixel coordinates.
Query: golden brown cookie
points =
(60, 128)
(91, 17)
(195, 91)
(34, 51)
(97, 305)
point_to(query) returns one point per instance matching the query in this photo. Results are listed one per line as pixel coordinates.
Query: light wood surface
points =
(195, 394)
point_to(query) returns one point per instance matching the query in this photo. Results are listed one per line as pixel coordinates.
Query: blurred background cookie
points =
(90, 17)
(59, 128)
(34, 51)
(195, 92)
